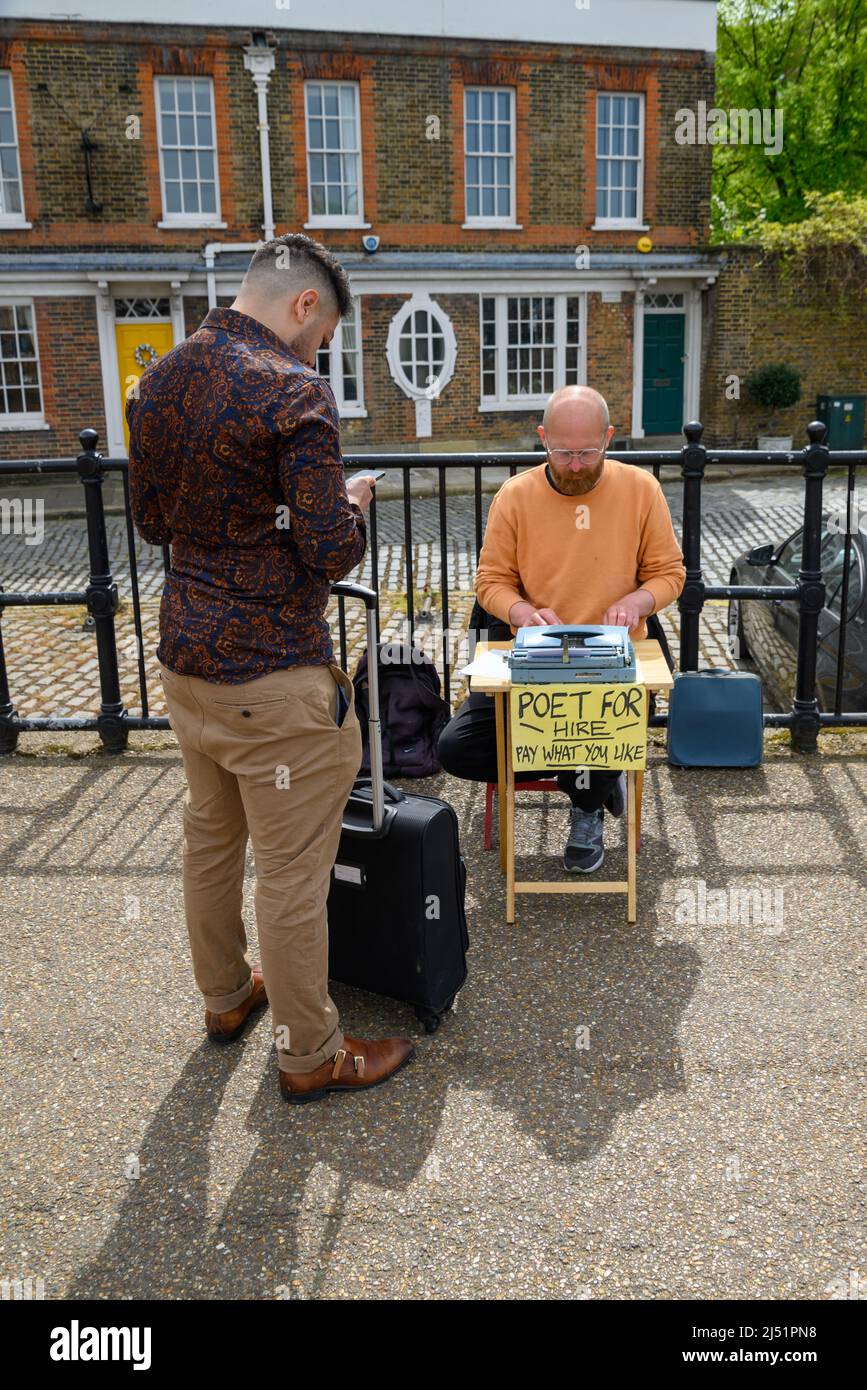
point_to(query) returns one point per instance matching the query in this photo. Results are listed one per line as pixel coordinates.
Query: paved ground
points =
(666, 1111)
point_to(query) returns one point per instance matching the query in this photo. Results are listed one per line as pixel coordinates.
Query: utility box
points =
(843, 417)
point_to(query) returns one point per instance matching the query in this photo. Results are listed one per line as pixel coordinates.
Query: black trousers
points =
(468, 749)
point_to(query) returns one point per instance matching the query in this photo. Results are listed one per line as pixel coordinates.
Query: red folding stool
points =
(547, 785)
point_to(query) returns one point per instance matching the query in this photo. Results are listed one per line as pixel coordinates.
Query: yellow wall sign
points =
(602, 726)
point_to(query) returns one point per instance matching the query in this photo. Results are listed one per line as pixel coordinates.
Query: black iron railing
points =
(100, 596)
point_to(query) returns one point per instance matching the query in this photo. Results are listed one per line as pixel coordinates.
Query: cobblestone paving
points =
(51, 653)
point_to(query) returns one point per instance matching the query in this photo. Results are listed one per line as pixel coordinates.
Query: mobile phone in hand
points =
(375, 473)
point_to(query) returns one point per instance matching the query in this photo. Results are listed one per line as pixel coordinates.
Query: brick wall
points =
(756, 316)
(71, 75)
(68, 76)
(71, 381)
(455, 417)
(196, 309)
(753, 316)
(609, 356)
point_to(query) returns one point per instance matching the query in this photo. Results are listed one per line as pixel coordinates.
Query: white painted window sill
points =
(172, 224)
(352, 414)
(492, 226)
(336, 222)
(19, 425)
(10, 224)
(620, 227)
(528, 403)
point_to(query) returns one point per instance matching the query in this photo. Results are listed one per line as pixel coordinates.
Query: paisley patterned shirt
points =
(234, 460)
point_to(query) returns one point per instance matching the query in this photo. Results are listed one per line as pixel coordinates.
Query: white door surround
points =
(661, 297)
(108, 290)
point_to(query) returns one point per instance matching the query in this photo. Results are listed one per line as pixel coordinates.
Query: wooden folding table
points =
(653, 673)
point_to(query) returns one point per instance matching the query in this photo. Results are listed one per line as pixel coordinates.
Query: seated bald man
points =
(582, 538)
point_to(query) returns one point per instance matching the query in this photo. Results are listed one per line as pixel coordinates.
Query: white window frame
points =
(14, 219)
(26, 419)
(502, 401)
(348, 409)
(335, 219)
(424, 396)
(421, 300)
(636, 223)
(510, 219)
(154, 313)
(654, 308)
(187, 219)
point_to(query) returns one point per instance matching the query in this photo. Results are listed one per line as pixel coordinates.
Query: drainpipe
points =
(259, 62)
(213, 249)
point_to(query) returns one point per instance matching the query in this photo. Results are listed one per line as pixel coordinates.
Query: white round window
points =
(421, 348)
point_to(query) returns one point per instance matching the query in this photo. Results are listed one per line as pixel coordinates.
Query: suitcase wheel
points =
(432, 1018)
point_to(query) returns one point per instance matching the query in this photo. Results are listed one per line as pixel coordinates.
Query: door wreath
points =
(140, 357)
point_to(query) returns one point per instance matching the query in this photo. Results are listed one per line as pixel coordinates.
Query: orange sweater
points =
(579, 554)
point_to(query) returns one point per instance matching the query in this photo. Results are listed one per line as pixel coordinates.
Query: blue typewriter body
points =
(558, 655)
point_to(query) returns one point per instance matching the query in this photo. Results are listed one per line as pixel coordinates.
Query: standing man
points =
(580, 539)
(235, 462)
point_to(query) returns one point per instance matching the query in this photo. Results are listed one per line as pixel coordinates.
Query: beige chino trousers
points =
(267, 759)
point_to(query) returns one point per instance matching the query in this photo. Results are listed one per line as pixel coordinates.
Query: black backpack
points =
(412, 712)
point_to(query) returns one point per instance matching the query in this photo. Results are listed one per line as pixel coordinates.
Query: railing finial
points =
(816, 432)
(693, 431)
(88, 439)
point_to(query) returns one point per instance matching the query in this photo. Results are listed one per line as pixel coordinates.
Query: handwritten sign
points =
(602, 726)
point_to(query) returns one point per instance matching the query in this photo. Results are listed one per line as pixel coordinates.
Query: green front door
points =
(663, 373)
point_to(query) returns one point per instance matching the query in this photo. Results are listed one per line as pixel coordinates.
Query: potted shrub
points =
(774, 387)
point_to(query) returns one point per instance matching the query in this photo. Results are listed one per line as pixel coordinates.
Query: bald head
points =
(575, 408)
(576, 432)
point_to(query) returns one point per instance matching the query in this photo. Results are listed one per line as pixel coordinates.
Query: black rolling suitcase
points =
(396, 920)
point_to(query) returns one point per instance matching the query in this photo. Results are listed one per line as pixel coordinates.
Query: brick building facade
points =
(535, 220)
(758, 313)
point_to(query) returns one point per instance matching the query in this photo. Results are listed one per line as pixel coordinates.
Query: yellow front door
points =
(138, 344)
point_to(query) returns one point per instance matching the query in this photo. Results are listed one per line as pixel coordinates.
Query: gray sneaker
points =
(584, 851)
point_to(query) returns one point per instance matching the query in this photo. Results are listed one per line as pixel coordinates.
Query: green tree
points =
(826, 249)
(807, 58)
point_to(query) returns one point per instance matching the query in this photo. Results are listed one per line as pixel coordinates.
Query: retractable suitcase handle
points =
(393, 794)
(377, 783)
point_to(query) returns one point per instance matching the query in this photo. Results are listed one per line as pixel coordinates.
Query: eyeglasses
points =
(564, 457)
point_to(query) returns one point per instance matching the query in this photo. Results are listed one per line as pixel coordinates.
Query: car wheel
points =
(738, 648)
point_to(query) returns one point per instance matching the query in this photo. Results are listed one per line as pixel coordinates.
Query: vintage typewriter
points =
(557, 655)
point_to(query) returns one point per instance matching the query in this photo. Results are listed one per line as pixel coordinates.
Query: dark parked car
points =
(767, 631)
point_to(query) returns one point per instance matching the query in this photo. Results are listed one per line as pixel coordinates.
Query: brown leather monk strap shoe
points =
(224, 1028)
(357, 1065)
